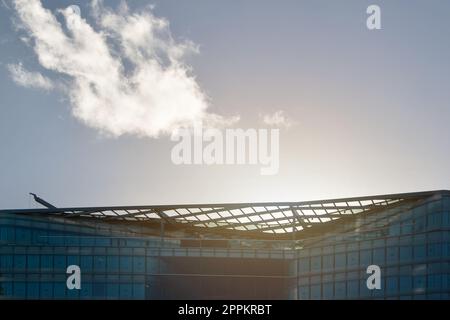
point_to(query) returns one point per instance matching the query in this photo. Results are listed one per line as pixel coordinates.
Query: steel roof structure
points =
(265, 218)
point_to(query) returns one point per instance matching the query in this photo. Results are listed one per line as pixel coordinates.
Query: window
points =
(100, 264)
(20, 262)
(33, 290)
(340, 260)
(99, 290)
(405, 284)
(113, 263)
(60, 262)
(328, 290)
(113, 290)
(316, 293)
(435, 281)
(126, 291)
(59, 290)
(46, 290)
(419, 252)
(303, 292)
(435, 249)
(86, 291)
(23, 235)
(139, 291)
(125, 264)
(33, 262)
(340, 290)
(392, 285)
(138, 264)
(378, 256)
(419, 284)
(316, 263)
(73, 260)
(47, 262)
(392, 254)
(434, 220)
(366, 257)
(6, 262)
(303, 264)
(328, 262)
(419, 224)
(405, 253)
(86, 263)
(353, 289)
(352, 259)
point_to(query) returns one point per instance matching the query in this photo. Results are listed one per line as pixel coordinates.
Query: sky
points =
(368, 109)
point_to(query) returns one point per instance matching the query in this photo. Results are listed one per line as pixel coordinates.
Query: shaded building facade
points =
(303, 250)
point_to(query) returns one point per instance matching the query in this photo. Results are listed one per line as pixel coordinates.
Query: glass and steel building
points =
(300, 250)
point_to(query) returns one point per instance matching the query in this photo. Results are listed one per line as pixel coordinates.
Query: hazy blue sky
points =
(371, 108)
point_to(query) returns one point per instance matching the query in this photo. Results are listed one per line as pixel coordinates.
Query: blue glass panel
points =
(32, 290)
(60, 263)
(419, 283)
(33, 263)
(316, 293)
(139, 291)
(392, 285)
(46, 290)
(47, 262)
(405, 284)
(419, 224)
(6, 262)
(126, 264)
(328, 289)
(126, 291)
(113, 263)
(353, 259)
(138, 264)
(19, 290)
(392, 254)
(303, 292)
(99, 290)
(353, 289)
(23, 235)
(73, 260)
(340, 290)
(435, 220)
(419, 252)
(86, 263)
(20, 262)
(405, 253)
(303, 264)
(59, 291)
(328, 262)
(378, 256)
(152, 265)
(100, 264)
(86, 291)
(435, 249)
(340, 260)
(366, 257)
(435, 281)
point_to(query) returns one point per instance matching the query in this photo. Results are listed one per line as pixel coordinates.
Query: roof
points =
(262, 218)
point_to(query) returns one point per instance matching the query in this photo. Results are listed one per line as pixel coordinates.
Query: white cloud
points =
(128, 75)
(277, 119)
(29, 79)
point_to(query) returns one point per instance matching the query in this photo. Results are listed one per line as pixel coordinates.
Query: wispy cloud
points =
(277, 119)
(29, 79)
(128, 74)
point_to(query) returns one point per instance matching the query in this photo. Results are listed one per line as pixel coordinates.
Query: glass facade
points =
(408, 241)
(36, 251)
(410, 245)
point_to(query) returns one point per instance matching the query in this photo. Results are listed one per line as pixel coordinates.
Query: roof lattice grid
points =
(274, 218)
